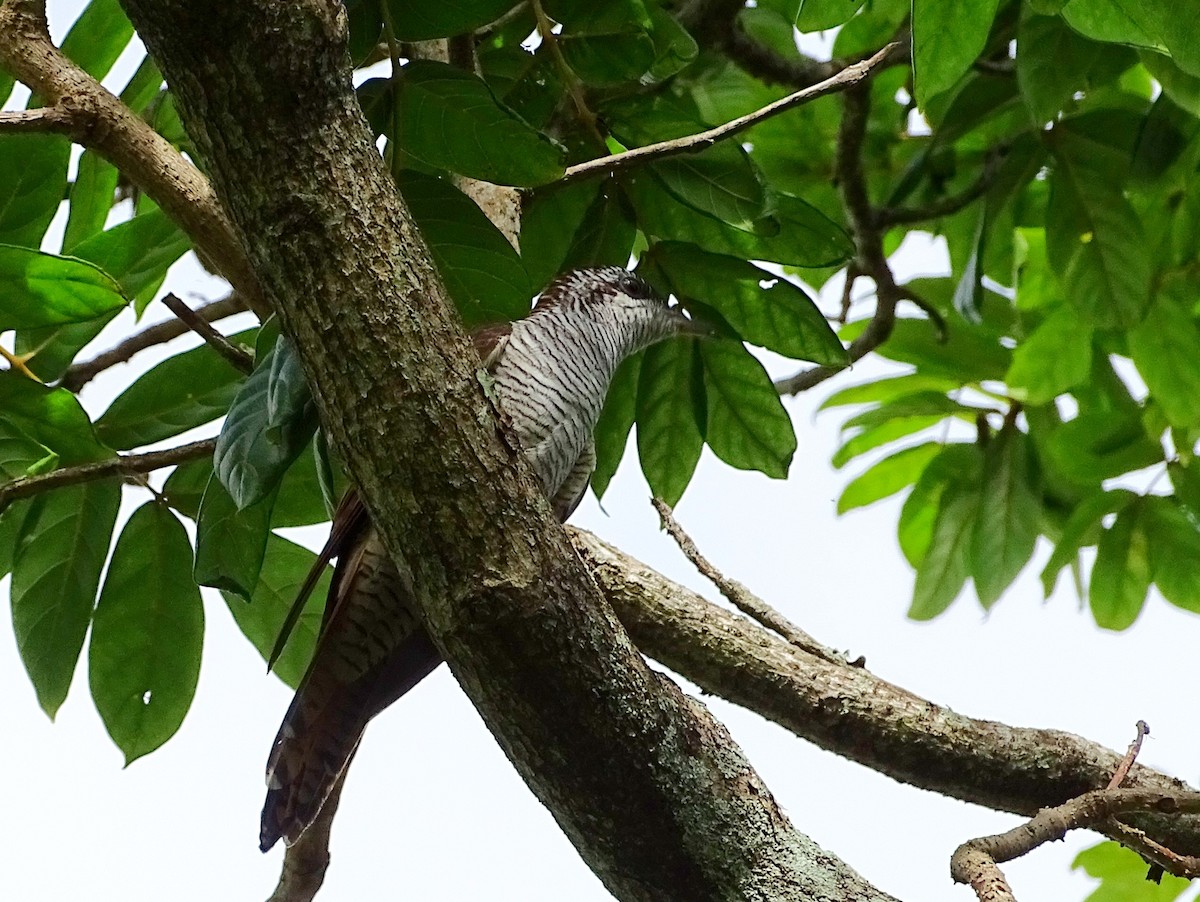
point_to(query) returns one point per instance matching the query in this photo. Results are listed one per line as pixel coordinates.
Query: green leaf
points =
(957, 464)
(1055, 357)
(550, 219)
(425, 21)
(805, 235)
(284, 568)
(888, 389)
(12, 520)
(1052, 63)
(143, 87)
(966, 355)
(606, 235)
(1166, 349)
(98, 37)
(747, 426)
(1095, 242)
(674, 48)
(947, 37)
(20, 455)
(1081, 529)
(33, 179)
(1174, 540)
(671, 407)
(230, 543)
(887, 477)
(483, 273)
(38, 289)
(92, 195)
(925, 403)
(1122, 873)
(449, 119)
(764, 309)
(1009, 516)
(946, 565)
(1121, 574)
(1102, 444)
(616, 419)
(269, 422)
(819, 15)
(883, 434)
(51, 416)
(56, 569)
(301, 499)
(187, 390)
(607, 59)
(185, 487)
(968, 293)
(1110, 21)
(147, 634)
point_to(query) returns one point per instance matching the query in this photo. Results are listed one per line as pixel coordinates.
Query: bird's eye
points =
(633, 286)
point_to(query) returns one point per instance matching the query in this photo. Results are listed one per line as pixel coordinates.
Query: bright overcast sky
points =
(433, 811)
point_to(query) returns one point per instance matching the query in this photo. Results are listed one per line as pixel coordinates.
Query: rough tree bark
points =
(651, 790)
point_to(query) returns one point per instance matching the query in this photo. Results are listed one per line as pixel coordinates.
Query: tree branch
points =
(853, 713)
(842, 81)
(80, 374)
(43, 119)
(121, 465)
(237, 357)
(946, 206)
(78, 107)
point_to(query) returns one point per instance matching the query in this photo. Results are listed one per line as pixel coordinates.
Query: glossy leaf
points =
(616, 419)
(33, 181)
(1055, 357)
(481, 270)
(1121, 574)
(947, 37)
(51, 416)
(1111, 21)
(284, 568)
(230, 543)
(764, 309)
(92, 196)
(887, 477)
(147, 634)
(20, 455)
(98, 37)
(39, 289)
(670, 410)
(56, 570)
(1009, 515)
(184, 391)
(449, 119)
(946, 565)
(746, 425)
(269, 422)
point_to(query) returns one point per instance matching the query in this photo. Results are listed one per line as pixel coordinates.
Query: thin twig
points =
(947, 206)
(977, 861)
(545, 30)
(42, 119)
(1135, 747)
(18, 362)
(238, 358)
(741, 597)
(80, 374)
(847, 78)
(121, 465)
(1160, 857)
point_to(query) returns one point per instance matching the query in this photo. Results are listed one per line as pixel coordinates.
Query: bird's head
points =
(614, 296)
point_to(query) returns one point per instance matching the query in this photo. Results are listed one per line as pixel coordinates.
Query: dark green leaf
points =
(1166, 348)
(56, 570)
(12, 520)
(1052, 63)
(425, 21)
(616, 419)
(283, 571)
(269, 422)
(185, 487)
(550, 220)
(483, 273)
(38, 289)
(944, 569)
(20, 455)
(947, 37)
(1110, 21)
(33, 179)
(230, 543)
(147, 635)
(1055, 357)
(184, 391)
(606, 235)
(670, 407)
(674, 48)
(1095, 243)
(51, 416)
(764, 309)
(1121, 574)
(747, 426)
(92, 196)
(887, 477)
(450, 120)
(607, 59)
(1009, 515)
(1174, 539)
(1081, 529)
(98, 37)
(805, 236)
(300, 500)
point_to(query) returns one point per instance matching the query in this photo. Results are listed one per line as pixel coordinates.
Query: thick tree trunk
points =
(659, 801)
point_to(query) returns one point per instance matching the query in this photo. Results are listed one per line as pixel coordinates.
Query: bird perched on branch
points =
(551, 372)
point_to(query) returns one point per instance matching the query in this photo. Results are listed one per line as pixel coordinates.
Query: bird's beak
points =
(686, 323)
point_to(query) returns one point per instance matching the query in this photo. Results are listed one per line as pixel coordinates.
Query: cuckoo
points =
(551, 372)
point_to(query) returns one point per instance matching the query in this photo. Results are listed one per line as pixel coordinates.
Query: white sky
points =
(432, 810)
